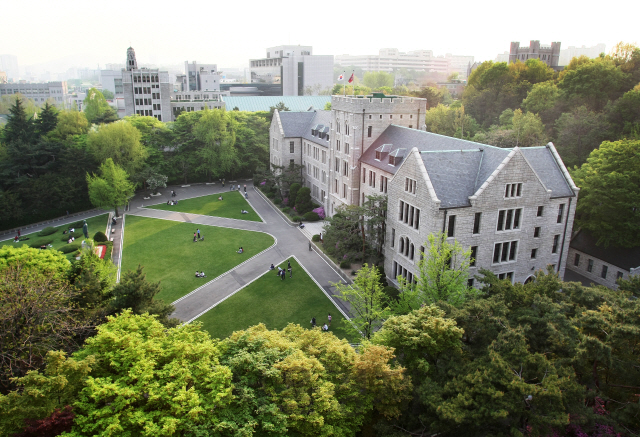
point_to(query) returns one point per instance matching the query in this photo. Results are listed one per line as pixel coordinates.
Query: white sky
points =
(85, 33)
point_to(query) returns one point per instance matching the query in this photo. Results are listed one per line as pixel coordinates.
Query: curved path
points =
(290, 241)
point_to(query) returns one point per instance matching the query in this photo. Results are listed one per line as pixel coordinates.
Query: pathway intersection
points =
(289, 241)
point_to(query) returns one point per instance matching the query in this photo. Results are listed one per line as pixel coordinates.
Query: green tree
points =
(303, 201)
(624, 114)
(49, 261)
(579, 132)
(433, 95)
(20, 128)
(367, 301)
(542, 97)
(377, 79)
(293, 194)
(150, 381)
(216, 132)
(134, 292)
(95, 105)
(442, 276)
(609, 193)
(70, 123)
(112, 188)
(343, 233)
(252, 141)
(107, 94)
(119, 141)
(449, 121)
(47, 120)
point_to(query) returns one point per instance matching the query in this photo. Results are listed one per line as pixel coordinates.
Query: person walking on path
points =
(313, 322)
(245, 188)
(18, 232)
(329, 319)
(223, 183)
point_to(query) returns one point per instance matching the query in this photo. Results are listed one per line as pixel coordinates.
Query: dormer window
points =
(378, 155)
(392, 160)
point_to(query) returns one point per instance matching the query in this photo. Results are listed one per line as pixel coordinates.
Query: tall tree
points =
(368, 304)
(216, 132)
(95, 105)
(112, 188)
(579, 132)
(119, 141)
(609, 195)
(47, 120)
(20, 127)
(70, 123)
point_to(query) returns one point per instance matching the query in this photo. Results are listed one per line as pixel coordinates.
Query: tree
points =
(107, 94)
(70, 123)
(20, 127)
(112, 188)
(377, 79)
(580, 132)
(374, 214)
(37, 314)
(95, 105)
(625, 114)
(442, 276)
(50, 261)
(252, 141)
(47, 120)
(119, 141)
(293, 194)
(542, 97)
(150, 381)
(433, 95)
(215, 130)
(609, 195)
(303, 201)
(367, 301)
(343, 233)
(134, 292)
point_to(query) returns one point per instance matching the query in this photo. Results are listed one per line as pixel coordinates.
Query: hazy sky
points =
(85, 33)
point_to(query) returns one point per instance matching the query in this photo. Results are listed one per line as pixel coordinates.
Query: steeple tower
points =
(132, 64)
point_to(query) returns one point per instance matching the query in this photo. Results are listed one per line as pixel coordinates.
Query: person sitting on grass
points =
(15, 239)
(325, 327)
(272, 267)
(220, 198)
(242, 211)
(72, 230)
(197, 274)
(202, 275)
(240, 250)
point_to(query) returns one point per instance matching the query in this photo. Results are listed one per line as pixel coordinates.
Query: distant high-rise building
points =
(550, 55)
(197, 88)
(38, 92)
(390, 59)
(571, 52)
(146, 91)
(295, 68)
(9, 64)
(3, 77)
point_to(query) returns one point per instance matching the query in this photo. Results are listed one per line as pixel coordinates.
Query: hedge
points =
(100, 237)
(47, 231)
(312, 216)
(70, 248)
(315, 238)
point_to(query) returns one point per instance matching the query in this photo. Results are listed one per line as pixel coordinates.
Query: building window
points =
(476, 222)
(556, 238)
(474, 256)
(344, 190)
(513, 190)
(336, 167)
(291, 163)
(560, 212)
(534, 253)
(410, 185)
(393, 237)
(509, 219)
(346, 148)
(345, 168)
(338, 145)
(619, 275)
(470, 282)
(576, 261)
(335, 186)
(369, 130)
(590, 266)
(505, 252)
(603, 275)
(409, 215)
(540, 211)
(292, 147)
(452, 226)
(536, 232)
(508, 275)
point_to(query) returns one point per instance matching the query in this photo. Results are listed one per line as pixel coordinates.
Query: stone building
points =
(550, 55)
(590, 263)
(513, 208)
(56, 92)
(147, 91)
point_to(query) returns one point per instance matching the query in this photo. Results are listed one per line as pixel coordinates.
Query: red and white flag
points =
(341, 78)
(351, 78)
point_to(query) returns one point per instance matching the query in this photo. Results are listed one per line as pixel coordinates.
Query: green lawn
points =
(167, 252)
(95, 224)
(276, 303)
(231, 205)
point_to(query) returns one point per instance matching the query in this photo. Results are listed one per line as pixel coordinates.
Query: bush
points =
(100, 237)
(297, 218)
(303, 200)
(293, 193)
(78, 224)
(286, 210)
(75, 235)
(345, 264)
(271, 194)
(320, 212)
(47, 231)
(315, 238)
(312, 216)
(383, 277)
(40, 242)
(70, 248)
(392, 293)
(277, 201)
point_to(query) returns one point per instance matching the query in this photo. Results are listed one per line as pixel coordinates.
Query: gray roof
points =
(264, 103)
(623, 258)
(295, 123)
(320, 119)
(457, 168)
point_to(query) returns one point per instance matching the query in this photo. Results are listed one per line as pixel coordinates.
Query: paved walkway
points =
(290, 241)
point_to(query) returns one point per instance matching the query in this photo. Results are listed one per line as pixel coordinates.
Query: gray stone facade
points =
(515, 207)
(146, 91)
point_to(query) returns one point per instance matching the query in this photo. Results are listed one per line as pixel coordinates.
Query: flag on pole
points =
(351, 78)
(341, 77)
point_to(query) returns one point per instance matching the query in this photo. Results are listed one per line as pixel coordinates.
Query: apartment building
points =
(38, 92)
(147, 91)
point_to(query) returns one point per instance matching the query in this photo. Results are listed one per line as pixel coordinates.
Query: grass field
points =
(276, 303)
(167, 252)
(95, 224)
(231, 205)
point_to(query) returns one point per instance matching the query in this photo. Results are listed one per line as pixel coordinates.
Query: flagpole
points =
(344, 84)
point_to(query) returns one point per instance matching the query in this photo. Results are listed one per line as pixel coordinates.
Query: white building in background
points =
(3, 77)
(197, 88)
(39, 92)
(146, 91)
(390, 59)
(296, 68)
(9, 64)
(571, 52)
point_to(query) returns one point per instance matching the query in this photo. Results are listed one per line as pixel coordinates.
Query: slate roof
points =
(457, 168)
(321, 118)
(295, 124)
(263, 103)
(626, 259)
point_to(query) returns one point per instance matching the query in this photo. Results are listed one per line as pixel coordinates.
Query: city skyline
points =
(486, 33)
